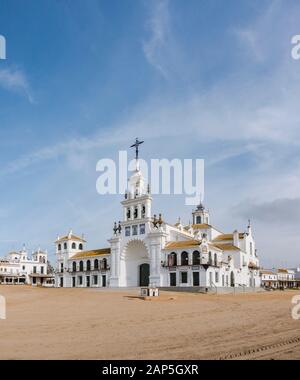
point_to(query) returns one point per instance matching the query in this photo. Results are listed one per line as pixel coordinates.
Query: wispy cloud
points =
(158, 26)
(15, 80)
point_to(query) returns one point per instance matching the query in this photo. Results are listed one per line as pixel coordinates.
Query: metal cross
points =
(136, 146)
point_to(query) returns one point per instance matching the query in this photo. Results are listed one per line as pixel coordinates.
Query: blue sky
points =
(198, 79)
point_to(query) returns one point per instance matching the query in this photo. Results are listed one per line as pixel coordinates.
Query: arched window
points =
(215, 259)
(172, 259)
(88, 265)
(104, 264)
(59, 247)
(80, 247)
(128, 213)
(143, 211)
(135, 215)
(184, 258)
(96, 264)
(198, 220)
(81, 266)
(209, 258)
(196, 258)
(74, 266)
(65, 246)
(73, 245)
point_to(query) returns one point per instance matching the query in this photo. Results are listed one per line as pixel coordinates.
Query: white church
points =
(145, 250)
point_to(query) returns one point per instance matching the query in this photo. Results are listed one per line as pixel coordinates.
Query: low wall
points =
(212, 290)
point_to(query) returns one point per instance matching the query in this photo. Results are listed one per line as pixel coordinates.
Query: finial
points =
(136, 146)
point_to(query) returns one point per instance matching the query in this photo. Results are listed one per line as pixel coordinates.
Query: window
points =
(127, 231)
(215, 259)
(42, 270)
(88, 265)
(95, 280)
(184, 258)
(81, 266)
(79, 280)
(209, 258)
(104, 264)
(135, 212)
(61, 268)
(73, 245)
(184, 277)
(59, 247)
(128, 213)
(198, 220)
(143, 211)
(216, 277)
(80, 247)
(23, 267)
(142, 229)
(134, 230)
(65, 246)
(74, 266)
(172, 259)
(196, 258)
(96, 264)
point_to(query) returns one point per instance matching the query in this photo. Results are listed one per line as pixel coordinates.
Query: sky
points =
(194, 79)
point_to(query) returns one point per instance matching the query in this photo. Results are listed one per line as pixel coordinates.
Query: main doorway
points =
(144, 274)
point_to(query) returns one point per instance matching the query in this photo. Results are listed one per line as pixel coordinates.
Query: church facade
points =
(145, 250)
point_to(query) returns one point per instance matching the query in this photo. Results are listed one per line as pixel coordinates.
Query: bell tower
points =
(201, 215)
(138, 200)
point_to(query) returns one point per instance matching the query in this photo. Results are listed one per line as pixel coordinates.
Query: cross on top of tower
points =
(136, 146)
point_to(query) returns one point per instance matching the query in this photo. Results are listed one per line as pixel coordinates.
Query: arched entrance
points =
(144, 274)
(135, 268)
(232, 282)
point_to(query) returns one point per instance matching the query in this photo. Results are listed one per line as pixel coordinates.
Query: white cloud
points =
(159, 29)
(15, 80)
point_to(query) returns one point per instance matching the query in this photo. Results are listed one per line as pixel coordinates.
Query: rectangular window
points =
(42, 270)
(184, 277)
(198, 220)
(127, 231)
(95, 280)
(34, 269)
(142, 229)
(134, 230)
(61, 267)
(217, 277)
(79, 280)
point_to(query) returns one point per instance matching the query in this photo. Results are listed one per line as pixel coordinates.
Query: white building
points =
(19, 268)
(269, 278)
(146, 250)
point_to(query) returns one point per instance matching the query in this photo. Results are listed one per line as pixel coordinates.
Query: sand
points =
(110, 324)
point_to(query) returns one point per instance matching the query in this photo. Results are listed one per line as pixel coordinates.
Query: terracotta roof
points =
(267, 272)
(70, 237)
(228, 237)
(226, 247)
(201, 226)
(282, 270)
(92, 253)
(182, 244)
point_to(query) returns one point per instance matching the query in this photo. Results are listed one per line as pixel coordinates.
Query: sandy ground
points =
(107, 324)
